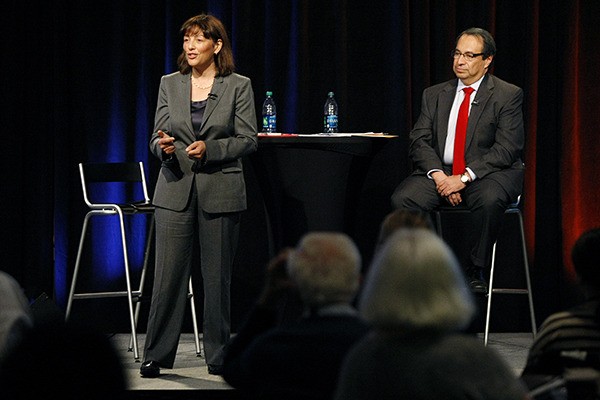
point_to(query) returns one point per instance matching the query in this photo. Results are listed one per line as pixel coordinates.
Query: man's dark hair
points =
(489, 45)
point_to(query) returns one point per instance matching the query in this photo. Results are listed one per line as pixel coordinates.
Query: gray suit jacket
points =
(229, 131)
(495, 133)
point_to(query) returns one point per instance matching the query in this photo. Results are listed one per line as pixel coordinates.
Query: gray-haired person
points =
(418, 302)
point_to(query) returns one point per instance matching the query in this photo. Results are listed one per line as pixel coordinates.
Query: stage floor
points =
(189, 375)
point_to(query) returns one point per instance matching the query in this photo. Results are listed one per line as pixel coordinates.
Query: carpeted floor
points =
(190, 379)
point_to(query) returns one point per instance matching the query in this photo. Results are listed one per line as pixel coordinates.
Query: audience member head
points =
(585, 255)
(325, 268)
(15, 314)
(415, 283)
(403, 218)
(65, 360)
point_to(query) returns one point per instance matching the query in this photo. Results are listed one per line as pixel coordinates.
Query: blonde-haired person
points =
(300, 360)
(417, 301)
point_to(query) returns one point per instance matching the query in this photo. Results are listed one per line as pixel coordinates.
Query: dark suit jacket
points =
(229, 131)
(495, 133)
(290, 361)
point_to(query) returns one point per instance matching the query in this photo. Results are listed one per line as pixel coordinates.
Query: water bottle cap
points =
(269, 93)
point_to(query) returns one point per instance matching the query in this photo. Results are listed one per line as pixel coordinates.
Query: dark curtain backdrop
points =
(80, 80)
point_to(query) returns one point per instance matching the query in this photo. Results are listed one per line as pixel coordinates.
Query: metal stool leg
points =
(526, 291)
(489, 296)
(132, 319)
(143, 275)
(129, 293)
(527, 278)
(194, 319)
(77, 264)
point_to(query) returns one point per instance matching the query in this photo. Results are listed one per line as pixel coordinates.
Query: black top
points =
(198, 108)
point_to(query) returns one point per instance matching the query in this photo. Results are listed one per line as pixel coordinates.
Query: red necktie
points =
(458, 163)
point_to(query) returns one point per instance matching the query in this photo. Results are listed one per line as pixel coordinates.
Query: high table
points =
(301, 183)
(313, 182)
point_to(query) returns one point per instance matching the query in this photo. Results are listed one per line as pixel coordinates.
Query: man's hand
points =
(449, 185)
(454, 199)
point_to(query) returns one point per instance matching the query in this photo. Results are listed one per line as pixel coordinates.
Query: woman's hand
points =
(166, 142)
(196, 150)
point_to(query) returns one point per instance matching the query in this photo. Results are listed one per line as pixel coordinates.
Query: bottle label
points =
(331, 123)
(269, 123)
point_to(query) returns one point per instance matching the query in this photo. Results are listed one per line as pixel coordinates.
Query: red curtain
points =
(580, 203)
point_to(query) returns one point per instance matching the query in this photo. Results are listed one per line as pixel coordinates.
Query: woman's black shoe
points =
(215, 369)
(150, 369)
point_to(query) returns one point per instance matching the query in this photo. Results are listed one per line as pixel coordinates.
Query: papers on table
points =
(326, 135)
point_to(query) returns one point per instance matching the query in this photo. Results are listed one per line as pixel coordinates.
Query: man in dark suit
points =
(489, 175)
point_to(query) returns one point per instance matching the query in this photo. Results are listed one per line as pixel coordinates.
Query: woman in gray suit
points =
(205, 123)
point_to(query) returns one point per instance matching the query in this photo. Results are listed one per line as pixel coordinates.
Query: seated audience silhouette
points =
(63, 361)
(417, 301)
(300, 360)
(15, 315)
(571, 338)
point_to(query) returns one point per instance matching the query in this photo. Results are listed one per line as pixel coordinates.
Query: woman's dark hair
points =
(212, 28)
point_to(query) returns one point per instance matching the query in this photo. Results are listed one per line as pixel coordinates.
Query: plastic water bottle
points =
(331, 114)
(269, 114)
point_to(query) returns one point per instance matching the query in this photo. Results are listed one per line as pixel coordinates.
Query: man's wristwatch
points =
(464, 178)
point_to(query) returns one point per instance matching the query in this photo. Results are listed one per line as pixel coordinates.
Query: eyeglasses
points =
(468, 55)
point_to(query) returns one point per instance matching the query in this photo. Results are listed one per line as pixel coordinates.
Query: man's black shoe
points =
(477, 280)
(215, 369)
(150, 369)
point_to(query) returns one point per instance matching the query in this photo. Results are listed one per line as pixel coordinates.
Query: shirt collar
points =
(475, 85)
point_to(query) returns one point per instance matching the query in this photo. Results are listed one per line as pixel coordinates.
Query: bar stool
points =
(512, 209)
(101, 201)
